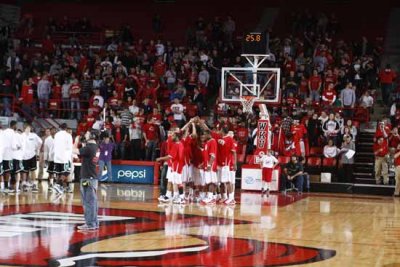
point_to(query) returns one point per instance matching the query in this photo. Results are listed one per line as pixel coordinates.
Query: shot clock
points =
(255, 43)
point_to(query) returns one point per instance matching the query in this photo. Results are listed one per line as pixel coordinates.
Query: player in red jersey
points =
(233, 167)
(210, 166)
(226, 149)
(176, 160)
(187, 174)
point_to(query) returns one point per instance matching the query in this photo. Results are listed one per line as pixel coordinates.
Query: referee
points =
(88, 183)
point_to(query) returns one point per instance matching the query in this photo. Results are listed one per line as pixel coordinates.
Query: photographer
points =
(88, 183)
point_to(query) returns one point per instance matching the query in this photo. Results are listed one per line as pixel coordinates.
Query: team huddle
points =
(201, 164)
(19, 152)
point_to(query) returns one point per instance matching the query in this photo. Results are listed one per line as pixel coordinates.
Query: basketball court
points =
(279, 230)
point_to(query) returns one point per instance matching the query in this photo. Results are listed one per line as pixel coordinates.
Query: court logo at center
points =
(47, 237)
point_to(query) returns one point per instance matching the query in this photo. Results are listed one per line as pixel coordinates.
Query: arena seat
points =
(314, 165)
(329, 163)
(316, 151)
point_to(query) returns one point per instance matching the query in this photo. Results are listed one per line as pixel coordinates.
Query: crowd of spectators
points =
(145, 86)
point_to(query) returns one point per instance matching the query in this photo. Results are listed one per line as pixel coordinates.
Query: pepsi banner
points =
(132, 172)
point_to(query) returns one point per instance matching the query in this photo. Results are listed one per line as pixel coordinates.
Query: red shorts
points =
(267, 174)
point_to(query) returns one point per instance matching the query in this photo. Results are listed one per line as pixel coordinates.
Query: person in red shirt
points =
(314, 86)
(210, 165)
(226, 149)
(156, 116)
(176, 157)
(303, 88)
(397, 171)
(48, 45)
(113, 101)
(82, 128)
(151, 138)
(119, 86)
(159, 68)
(329, 95)
(381, 151)
(74, 93)
(27, 95)
(330, 78)
(299, 132)
(382, 130)
(394, 139)
(386, 77)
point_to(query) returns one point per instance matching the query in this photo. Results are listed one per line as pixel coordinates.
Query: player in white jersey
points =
(18, 150)
(63, 145)
(48, 156)
(8, 137)
(32, 147)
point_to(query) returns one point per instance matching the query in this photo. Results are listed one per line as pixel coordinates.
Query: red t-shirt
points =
(119, 86)
(27, 94)
(113, 101)
(330, 95)
(387, 76)
(187, 142)
(75, 91)
(298, 132)
(242, 134)
(169, 148)
(210, 148)
(90, 120)
(197, 155)
(315, 81)
(151, 131)
(159, 68)
(177, 156)
(118, 137)
(56, 92)
(225, 151)
(234, 149)
(397, 160)
(330, 79)
(394, 141)
(385, 148)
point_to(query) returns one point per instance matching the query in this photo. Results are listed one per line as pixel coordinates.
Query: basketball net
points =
(247, 103)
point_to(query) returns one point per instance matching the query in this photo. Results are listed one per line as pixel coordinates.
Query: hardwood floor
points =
(135, 230)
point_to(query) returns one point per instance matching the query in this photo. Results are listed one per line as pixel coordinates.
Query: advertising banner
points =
(132, 172)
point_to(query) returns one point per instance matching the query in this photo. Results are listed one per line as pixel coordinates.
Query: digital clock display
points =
(255, 43)
(253, 37)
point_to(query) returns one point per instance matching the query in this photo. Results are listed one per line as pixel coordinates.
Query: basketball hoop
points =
(247, 103)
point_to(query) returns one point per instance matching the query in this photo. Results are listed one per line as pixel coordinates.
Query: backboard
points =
(261, 83)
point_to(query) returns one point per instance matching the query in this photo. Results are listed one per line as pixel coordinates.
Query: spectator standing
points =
(120, 137)
(345, 160)
(75, 91)
(386, 77)
(65, 99)
(204, 76)
(151, 138)
(135, 137)
(43, 93)
(177, 110)
(381, 152)
(314, 86)
(106, 150)
(397, 171)
(348, 97)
